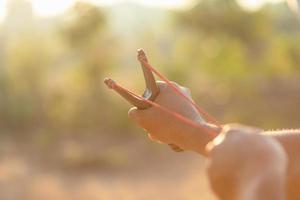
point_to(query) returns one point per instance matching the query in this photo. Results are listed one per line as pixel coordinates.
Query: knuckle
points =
(187, 90)
(176, 84)
(161, 83)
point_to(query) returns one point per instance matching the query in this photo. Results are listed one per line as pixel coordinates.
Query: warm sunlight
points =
(50, 7)
(71, 70)
(294, 5)
(46, 8)
(255, 4)
(251, 4)
(2, 9)
(177, 4)
(161, 3)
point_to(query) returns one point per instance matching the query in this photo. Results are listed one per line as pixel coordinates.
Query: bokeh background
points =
(63, 135)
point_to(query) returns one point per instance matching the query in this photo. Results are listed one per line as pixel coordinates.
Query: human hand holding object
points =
(160, 125)
(244, 163)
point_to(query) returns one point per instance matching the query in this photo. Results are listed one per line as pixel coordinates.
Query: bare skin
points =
(244, 163)
(290, 141)
(165, 128)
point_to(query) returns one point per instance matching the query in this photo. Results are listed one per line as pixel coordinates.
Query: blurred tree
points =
(89, 54)
(19, 18)
(81, 23)
(53, 76)
(243, 51)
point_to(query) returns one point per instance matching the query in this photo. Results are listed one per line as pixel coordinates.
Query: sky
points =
(53, 7)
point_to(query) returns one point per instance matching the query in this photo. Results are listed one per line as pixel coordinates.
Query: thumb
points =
(133, 114)
(141, 117)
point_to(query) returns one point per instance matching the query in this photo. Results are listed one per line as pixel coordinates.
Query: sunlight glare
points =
(105, 2)
(253, 5)
(2, 10)
(294, 5)
(177, 4)
(159, 3)
(47, 8)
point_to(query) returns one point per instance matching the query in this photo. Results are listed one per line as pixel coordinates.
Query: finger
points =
(155, 139)
(152, 137)
(183, 89)
(133, 114)
(186, 91)
(144, 118)
(176, 148)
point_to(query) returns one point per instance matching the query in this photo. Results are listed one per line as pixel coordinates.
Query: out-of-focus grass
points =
(131, 170)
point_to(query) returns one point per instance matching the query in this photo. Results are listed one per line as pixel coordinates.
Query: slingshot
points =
(152, 91)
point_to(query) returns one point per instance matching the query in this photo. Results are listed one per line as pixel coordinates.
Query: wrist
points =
(198, 138)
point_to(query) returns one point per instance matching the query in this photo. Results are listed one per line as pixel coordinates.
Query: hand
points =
(244, 165)
(165, 128)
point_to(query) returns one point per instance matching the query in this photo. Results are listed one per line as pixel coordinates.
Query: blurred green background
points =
(63, 135)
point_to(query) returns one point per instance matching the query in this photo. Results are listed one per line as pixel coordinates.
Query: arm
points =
(240, 171)
(246, 165)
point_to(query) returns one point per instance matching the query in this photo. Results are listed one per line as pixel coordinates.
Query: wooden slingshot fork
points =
(150, 93)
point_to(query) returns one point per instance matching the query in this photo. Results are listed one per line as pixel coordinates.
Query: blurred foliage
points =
(64, 135)
(241, 66)
(82, 23)
(249, 54)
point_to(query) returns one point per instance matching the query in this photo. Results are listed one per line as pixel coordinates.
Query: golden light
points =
(2, 9)
(47, 8)
(50, 7)
(176, 4)
(253, 5)
(294, 5)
